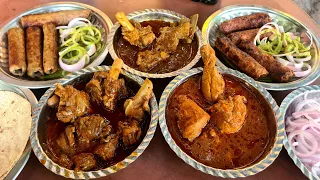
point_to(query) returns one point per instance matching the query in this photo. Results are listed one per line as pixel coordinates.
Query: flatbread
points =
(15, 125)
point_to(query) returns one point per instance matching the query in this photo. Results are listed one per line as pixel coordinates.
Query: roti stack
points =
(15, 125)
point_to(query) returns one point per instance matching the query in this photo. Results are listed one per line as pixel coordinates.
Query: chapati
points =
(15, 125)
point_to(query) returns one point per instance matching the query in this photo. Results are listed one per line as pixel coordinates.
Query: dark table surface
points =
(159, 162)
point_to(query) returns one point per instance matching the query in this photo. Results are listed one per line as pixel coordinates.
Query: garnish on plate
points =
(79, 40)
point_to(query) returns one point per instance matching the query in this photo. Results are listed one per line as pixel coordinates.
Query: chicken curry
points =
(96, 124)
(218, 120)
(156, 46)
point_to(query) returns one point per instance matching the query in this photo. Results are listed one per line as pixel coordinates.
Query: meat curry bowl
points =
(160, 44)
(209, 135)
(83, 135)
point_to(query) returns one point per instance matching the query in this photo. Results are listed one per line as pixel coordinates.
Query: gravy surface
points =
(228, 151)
(181, 57)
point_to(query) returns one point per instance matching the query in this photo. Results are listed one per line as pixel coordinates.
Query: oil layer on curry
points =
(156, 46)
(95, 124)
(219, 121)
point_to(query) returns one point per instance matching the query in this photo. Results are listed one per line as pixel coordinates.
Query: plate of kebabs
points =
(268, 45)
(155, 43)
(44, 44)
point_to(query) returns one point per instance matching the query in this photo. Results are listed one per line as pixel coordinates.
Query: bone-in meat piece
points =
(212, 84)
(191, 118)
(134, 33)
(113, 87)
(230, 114)
(105, 87)
(137, 106)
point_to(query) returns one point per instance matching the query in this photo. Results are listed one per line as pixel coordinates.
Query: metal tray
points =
(210, 32)
(97, 17)
(26, 93)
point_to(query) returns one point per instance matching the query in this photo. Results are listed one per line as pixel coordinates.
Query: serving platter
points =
(147, 15)
(285, 108)
(210, 33)
(38, 124)
(26, 93)
(98, 18)
(229, 173)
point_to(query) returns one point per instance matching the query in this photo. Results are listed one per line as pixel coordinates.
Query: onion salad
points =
(78, 42)
(303, 130)
(286, 47)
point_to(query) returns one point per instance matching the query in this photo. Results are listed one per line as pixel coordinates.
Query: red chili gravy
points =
(54, 127)
(181, 57)
(229, 151)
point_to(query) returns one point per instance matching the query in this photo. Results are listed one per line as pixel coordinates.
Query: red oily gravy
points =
(183, 55)
(54, 128)
(229, 151)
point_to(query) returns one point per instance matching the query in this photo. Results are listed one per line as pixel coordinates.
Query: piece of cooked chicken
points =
(134, 33)
(191, 118)
(73, 103)
(212, 84)
(229, 114)
(137, 106)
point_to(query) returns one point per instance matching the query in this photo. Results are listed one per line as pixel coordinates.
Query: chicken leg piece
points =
(134, 33)
(191, 118)
(136, 106)
(212, 85)
(230, 114)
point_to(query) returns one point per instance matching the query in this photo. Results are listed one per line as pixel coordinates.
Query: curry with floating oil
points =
(183, 54)
(103, 134)
(225, 151)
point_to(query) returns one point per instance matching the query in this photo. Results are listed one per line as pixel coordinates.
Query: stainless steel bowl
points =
(26, 93)
(210, 32)
(154, 14)
(97, 17)
(286, 109)
(229, 173)
(38, 129)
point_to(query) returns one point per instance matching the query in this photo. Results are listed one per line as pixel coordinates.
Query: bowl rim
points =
(283, 110)
(270, 86)
(57, 169)
(114, 55)
(230, 173)
(33, 84)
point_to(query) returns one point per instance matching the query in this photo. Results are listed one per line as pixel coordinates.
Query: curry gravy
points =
(129, 54)
(228, 151)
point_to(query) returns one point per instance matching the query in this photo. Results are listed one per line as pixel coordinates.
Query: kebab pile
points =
(255, 45)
